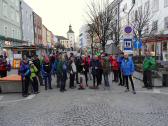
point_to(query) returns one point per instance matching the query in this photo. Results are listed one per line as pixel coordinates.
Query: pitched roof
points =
(61, 37)
(70, 29)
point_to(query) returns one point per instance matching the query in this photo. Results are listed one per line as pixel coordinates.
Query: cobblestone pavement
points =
(88, 107)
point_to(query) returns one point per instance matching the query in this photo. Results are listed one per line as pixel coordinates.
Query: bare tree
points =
(91, 32)
(141, 21)
(100, 15)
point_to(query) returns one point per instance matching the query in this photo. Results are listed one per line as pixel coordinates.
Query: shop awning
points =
(156, 39)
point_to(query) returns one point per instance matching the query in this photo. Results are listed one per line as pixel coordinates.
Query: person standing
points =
(106, 70)
(127, 67)
(148, 65)
(25, 75)
(72, 73)
(120, 74)
(89, 62)
(58, 65)
(33, 77)
(46, 72)
(86, 69)
(36, 62)
(63, 74)
(95, 66)
(115, 67)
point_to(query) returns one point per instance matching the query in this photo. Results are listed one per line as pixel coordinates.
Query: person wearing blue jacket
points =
(25, 74)
(127, 67)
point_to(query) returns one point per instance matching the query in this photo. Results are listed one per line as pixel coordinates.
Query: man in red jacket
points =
(115, 68)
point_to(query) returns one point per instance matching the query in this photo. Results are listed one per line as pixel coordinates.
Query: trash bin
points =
(165, 80)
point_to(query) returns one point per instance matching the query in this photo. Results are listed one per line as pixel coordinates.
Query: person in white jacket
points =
(73, 71)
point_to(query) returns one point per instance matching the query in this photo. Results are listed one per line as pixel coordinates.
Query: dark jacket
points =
(46, 69)
(96, 66)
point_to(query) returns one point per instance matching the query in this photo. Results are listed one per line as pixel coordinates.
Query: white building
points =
(158, 25)
(71, 37)
(84, 39)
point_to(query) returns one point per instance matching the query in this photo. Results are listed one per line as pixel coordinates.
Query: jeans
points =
(126, 79)
(121, 77)
(96, 78)
(59, 80)
(116, 75)
(40, 78)
(63, 84)
(106, 79)
(48, 81)
(86, 77)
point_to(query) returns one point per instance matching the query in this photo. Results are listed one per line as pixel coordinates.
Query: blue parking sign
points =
(127, 44)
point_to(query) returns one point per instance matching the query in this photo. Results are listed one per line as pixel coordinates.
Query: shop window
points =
(165, 46)
(166, 23)
(152, 47)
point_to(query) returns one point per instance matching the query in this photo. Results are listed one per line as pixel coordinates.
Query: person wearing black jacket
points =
(36, 62)
(96, 66)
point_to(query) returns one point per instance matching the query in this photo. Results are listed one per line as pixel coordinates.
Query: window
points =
(13, 33)
(166, 23)
(6, 31)
(155, 26)
(5, 9)
(165, 46)
(12, 14)
(17, 17)
(155, 5)
(165, 3)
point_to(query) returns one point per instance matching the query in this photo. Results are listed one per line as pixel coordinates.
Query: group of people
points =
(40, 71)
(79, 69)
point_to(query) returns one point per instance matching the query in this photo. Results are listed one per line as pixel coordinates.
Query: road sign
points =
(128, 29)
(127, 44)
(137, 44)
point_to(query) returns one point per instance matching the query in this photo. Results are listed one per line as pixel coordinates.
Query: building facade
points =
(10, 27)
(155, 33)
(84, 37)
(37, 21)
(44, 36)
(63, 41)
(71, 37)
(27, 23)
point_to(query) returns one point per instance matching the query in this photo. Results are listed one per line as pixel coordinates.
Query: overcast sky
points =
(58, 14)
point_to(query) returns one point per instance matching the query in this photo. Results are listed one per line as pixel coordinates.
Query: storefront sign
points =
(17, 56)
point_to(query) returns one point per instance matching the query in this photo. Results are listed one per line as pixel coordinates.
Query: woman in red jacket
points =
(115, 68)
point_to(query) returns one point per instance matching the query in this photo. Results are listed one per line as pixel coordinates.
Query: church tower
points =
(71, 37)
